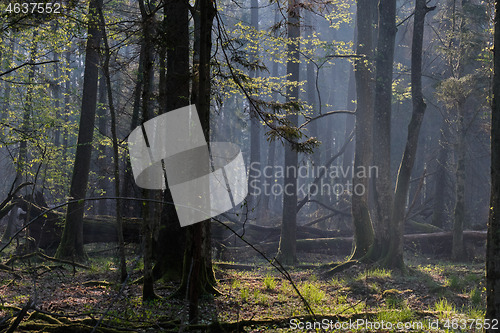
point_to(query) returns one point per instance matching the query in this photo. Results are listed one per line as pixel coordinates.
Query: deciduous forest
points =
(249, 166)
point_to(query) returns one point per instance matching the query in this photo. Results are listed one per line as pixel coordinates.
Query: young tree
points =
(71, 245)
(408, 159)
(149, 208)
(255, 131)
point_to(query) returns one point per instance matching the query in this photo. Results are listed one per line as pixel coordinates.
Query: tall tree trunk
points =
(149, 208)
(493, 242)
(71, 245)
(440, 183)
(350, 122)
(102, 156)
(129, 188)
(198, 276)
(67, 105)
(5, 104)
(170, 243)
(287, 245)
(254, 181)
(116, 156)
(363, 229)
(457, 250)
(57, 97)
(395, 255)
(382, 129)
(268, 182)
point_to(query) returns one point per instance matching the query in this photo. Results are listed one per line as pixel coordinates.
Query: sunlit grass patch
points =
(269, 283)
(337, 282)
(444, 309)
(312, 293)
(396, 316)
(380, 273)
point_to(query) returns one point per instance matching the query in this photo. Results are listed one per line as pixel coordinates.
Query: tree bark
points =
(493, 240)
(287, 246)
(382, 131)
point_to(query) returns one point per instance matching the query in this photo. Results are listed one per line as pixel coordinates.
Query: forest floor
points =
(433, 295)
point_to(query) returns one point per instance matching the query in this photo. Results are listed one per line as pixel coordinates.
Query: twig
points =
(26, 64)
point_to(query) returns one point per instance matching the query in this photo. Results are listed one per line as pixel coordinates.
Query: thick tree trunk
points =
(71, 245)
(395, 254)
(198, 276)
(493, 242)
(363, 228)
(382, 132)
(169, 246)
(287, 245)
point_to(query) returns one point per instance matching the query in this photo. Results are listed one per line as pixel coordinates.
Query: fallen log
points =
(438, 243)
(47, 229)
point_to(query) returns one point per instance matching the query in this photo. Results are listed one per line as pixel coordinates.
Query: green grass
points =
(236, 284)
(444, 308)
(269, 283)
(244, 294)
(312, 293)
(455, 283)
(475, 297)
(379, 273)
(395, 316)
